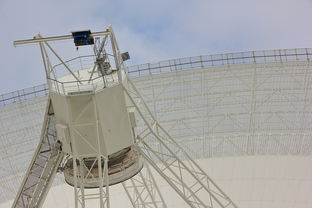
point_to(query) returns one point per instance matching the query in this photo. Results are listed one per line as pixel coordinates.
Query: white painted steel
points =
(78, 117)
(43, 167)
(172, 162)
(47, 39)
(93, 125)
(143, 191)
(263, 182)
(250, 109)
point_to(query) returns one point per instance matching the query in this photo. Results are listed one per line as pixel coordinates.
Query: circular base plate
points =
(121, 167)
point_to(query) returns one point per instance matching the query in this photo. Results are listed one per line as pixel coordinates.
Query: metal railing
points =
(75, 64)
(204, 61)
(24, 94)
(83, 86)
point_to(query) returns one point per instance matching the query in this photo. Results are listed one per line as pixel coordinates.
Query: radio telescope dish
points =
(242, 104)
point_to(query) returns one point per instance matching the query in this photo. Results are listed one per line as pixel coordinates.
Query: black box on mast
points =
(83, 38)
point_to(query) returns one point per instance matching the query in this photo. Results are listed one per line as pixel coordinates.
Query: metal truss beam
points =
(142, 190)
(43, 167)
(172, 162)
(81, 173)
(55, 38)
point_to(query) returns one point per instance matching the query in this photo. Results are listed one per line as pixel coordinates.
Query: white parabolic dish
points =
(246, 116)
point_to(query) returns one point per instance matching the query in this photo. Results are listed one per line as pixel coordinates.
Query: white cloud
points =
(151, 30)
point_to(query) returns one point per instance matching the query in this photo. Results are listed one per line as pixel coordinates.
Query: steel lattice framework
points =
(251, 103)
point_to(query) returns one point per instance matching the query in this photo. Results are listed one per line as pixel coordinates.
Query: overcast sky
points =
(150, 30)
